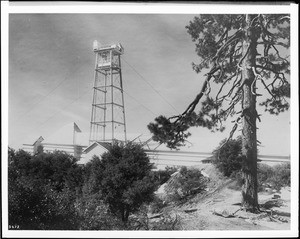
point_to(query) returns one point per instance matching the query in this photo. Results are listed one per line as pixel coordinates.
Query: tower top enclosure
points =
(108, 111)
(118, 48)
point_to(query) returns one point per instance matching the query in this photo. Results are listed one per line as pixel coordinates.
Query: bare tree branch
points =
(193, 105)
(265, 42)
(236, 122)
(236, 36)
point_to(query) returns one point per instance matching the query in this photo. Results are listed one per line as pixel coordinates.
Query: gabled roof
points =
(95, 144)
(40, 139)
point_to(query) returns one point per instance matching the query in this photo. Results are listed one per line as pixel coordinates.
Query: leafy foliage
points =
(264, 174)
(187, 182)
(228, 158)
(42, 189)
(123, 175)
(94, 214)
(165, 131)
(283, 174)
(92, 181)
(275, 105)
(275, 177)
(157, 205)
(159, 177)
(166, 222)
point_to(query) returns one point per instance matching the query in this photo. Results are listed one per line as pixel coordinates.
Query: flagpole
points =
(74, 132)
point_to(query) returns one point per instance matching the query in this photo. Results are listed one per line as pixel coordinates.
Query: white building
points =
(96, 148)
(73, 141)
(69, 139)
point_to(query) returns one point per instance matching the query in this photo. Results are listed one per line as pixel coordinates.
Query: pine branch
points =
(193, 105)
(236, 36)
(236, 122)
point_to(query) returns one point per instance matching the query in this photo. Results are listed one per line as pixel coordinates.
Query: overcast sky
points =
(51, 66)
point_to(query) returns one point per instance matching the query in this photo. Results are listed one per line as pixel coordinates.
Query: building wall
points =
(86, 157)
(74, 150)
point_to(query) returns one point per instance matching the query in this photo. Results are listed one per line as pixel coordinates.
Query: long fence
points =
(181, 158)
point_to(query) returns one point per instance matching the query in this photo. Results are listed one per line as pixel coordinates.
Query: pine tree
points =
(242, 54)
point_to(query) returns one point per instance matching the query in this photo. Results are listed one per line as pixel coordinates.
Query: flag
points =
(75, 131)
(76, 128)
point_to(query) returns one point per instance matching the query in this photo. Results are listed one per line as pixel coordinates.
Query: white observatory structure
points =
(108, 111)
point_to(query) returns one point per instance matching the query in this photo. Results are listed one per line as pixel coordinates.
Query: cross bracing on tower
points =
(108, 111)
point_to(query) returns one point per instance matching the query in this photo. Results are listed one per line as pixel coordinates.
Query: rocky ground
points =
(219, 208)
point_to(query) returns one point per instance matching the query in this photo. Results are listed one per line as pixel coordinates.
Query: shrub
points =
(275, 177)
(36, 207)
(160, 177)
(238, 180)
(94, 214)
(123, 178)
(282, 176)
(42, 190)
(283, 172)
(192, 181)
(167, 223)
(141, 221)
(228, 157)
(264, 173)
(156, 205)
(185, 183)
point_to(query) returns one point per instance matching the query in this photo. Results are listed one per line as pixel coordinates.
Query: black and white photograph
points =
(149, 119)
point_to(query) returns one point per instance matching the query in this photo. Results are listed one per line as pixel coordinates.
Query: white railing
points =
(180, 158)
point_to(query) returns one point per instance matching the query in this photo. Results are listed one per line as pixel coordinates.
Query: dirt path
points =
(226, 202)
(219, 208)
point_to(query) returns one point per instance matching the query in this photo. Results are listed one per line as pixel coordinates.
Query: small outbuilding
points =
(96, 148)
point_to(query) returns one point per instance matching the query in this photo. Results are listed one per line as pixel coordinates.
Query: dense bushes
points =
(185, 183)
(283, 174)
(228, 159)
(122, 177)
(274, 177)
(268, 177)
(159, 177)
(94, 214)
(156, 205)
(264, 173)
(167, 223)
(49, 191)
(42, 190)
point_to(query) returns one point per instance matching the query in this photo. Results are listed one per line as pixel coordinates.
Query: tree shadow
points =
(280, 213)
(271, 203)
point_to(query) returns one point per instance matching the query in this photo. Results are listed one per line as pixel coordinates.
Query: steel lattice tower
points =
(108, 111)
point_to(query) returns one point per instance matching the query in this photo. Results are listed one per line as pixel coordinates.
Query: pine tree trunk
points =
(249, 145)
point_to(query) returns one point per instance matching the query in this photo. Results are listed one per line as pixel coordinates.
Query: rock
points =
(155, 216)
(190, 210)
(224, 213)
(275, 196)
(204, 174)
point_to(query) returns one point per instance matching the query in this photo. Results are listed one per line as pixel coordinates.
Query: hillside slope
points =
(219, 208)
